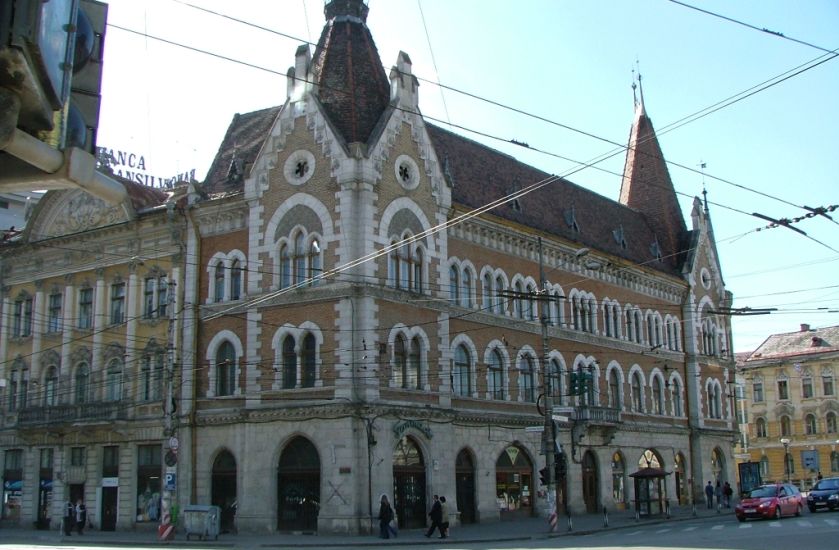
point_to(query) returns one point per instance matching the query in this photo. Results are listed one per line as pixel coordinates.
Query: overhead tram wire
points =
(776, 34)
(677, 124)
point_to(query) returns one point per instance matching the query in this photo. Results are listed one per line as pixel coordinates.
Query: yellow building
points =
(792, 407)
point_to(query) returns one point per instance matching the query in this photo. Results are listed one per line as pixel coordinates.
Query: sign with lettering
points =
(399, 429)
(132, 166)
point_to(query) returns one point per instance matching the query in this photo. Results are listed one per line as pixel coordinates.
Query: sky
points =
(557, 75)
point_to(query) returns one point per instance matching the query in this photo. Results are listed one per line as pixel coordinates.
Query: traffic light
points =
(574, 384)
(543, 475)
(82, 119)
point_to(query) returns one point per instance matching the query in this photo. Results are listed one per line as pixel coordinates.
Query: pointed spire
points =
(647, 187)
(350, 80)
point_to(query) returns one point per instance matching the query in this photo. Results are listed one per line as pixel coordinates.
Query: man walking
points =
(709, 495)
(444, 518)
(436, 515)
(69, 518)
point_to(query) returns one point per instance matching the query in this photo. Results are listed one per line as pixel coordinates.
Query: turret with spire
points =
(647, 187)
(348, 74)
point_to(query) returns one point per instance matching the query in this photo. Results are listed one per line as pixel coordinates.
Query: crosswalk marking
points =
(774, 524)
(804, 523)
(632, 534)
(660, 531)
(717, 527)
(832, 522)
(690, 528)
(745, 526)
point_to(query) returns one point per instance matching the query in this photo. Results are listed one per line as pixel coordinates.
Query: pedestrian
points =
(727, 491)
(435, 515)
(444, 518)
(718, 494)
(69, 517)
(709, 495)
(81, 516)
(385, 517)
(820, 476)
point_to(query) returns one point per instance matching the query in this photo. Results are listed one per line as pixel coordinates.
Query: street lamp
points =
(785, 442)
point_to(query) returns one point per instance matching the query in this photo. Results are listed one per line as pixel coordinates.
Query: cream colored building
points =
(791, 397)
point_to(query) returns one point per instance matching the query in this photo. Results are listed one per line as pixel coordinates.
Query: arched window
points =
(830, 422)
(400, 361)
(235, 280)
(462, 372)
(810, 424)
(218, 279)
(393, 264)
(526, 378)
(486, 293)
(614, 389)
(315, 261)
(637, 397)
(500, 306)
(412, 380)
(419, 259)
(300, 254)
(225, 369)
(785, 426)
(309, 361)
(518, 301)
(760, 427)
(113, 381)
(495, 374)
(466, 292)
(454, 285)
(51, 387)
(82, 383)
(677, 397)
(289, 363)
(285, 266)
(658, 396)
(530, 303)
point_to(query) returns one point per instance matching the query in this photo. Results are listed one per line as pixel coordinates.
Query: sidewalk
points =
(522, 529)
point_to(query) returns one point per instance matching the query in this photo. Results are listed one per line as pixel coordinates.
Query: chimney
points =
(805, 327)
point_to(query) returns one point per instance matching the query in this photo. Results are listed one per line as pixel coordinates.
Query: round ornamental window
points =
(705, 276)
(407, 172)
(299, 167)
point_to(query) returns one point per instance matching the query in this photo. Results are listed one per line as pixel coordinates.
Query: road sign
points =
(559, 418)
(534, 429)
(563, 410)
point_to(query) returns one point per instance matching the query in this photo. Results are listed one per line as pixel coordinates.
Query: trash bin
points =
(202, 521)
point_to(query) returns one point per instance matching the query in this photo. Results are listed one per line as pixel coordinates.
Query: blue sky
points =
(566, 61)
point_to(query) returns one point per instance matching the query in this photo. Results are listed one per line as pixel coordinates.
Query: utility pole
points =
(549, 434)
(166, 530)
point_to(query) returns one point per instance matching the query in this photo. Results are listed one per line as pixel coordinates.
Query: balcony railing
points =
(62, 414)
(598, 415)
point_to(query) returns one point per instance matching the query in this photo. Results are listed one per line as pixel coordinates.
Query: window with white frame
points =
(486, 293)
(807, 385)
(225, 369)
(830, 422)
(760, 427)
(407, 362)
(526, 376)
(786, 426)
(22, 317)
(757, 389)
(466, 281)
(113, 380)
(658, 396)
(676, 389)
(54, 319)
(51, 386)
(117, 303)
(827, 383)
(614, 389)
(810, 424)
(783, 388)
(82, 384)
(86, 308)
(637, 395)
(454, 284)
(405, 265)
(155, 297)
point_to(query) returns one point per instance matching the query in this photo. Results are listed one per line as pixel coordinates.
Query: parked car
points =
(770, 501)
(825, 494)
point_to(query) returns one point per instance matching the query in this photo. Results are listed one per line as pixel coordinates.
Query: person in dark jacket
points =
(436, 515)
(709, 495)
(80, 516)
(385, 517)
(69, 518)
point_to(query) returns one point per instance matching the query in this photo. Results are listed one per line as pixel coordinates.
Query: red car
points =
(770, 501)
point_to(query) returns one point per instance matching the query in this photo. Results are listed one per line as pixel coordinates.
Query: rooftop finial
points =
(640, 86)
(634, 86)
(702, 166)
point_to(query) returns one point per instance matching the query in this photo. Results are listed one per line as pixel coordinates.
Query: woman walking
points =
(385, 517)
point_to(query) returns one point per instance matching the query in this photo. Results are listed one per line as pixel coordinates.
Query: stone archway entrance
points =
(679, 471)
(514, 483)
(465, 481)
(718, 466)
(590, 482)
(298, 487)
(223, 492)
(409, 484)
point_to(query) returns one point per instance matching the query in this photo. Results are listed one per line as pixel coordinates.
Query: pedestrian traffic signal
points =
(574, 385)
(543, 475)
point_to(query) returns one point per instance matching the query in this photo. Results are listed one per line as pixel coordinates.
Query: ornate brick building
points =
(362, 314)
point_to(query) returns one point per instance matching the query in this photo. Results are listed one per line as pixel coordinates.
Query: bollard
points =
(605, 517)
(570, 522)
(637, 515)
(693, 509)
(666, 509)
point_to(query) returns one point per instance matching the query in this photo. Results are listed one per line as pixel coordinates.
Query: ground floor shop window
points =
(12, 484)
(513, 482)
(148, 482)
(618, 473)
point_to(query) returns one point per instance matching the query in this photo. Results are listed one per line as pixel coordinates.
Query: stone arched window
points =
(760, 427)
(526, 376)
(614, 390)
(486, 293)
(218, 281)
(82, 384)
(113, 380)
(830, 422)
(462, 372)
(637, 394)
(289, 369)
(225, 369)
(810, 424)
(235, 279)
(495, 375)
(786, 426)
(657, 395)
(51, 386)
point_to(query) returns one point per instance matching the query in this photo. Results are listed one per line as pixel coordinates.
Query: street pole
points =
(549, 432)
(166, 530)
